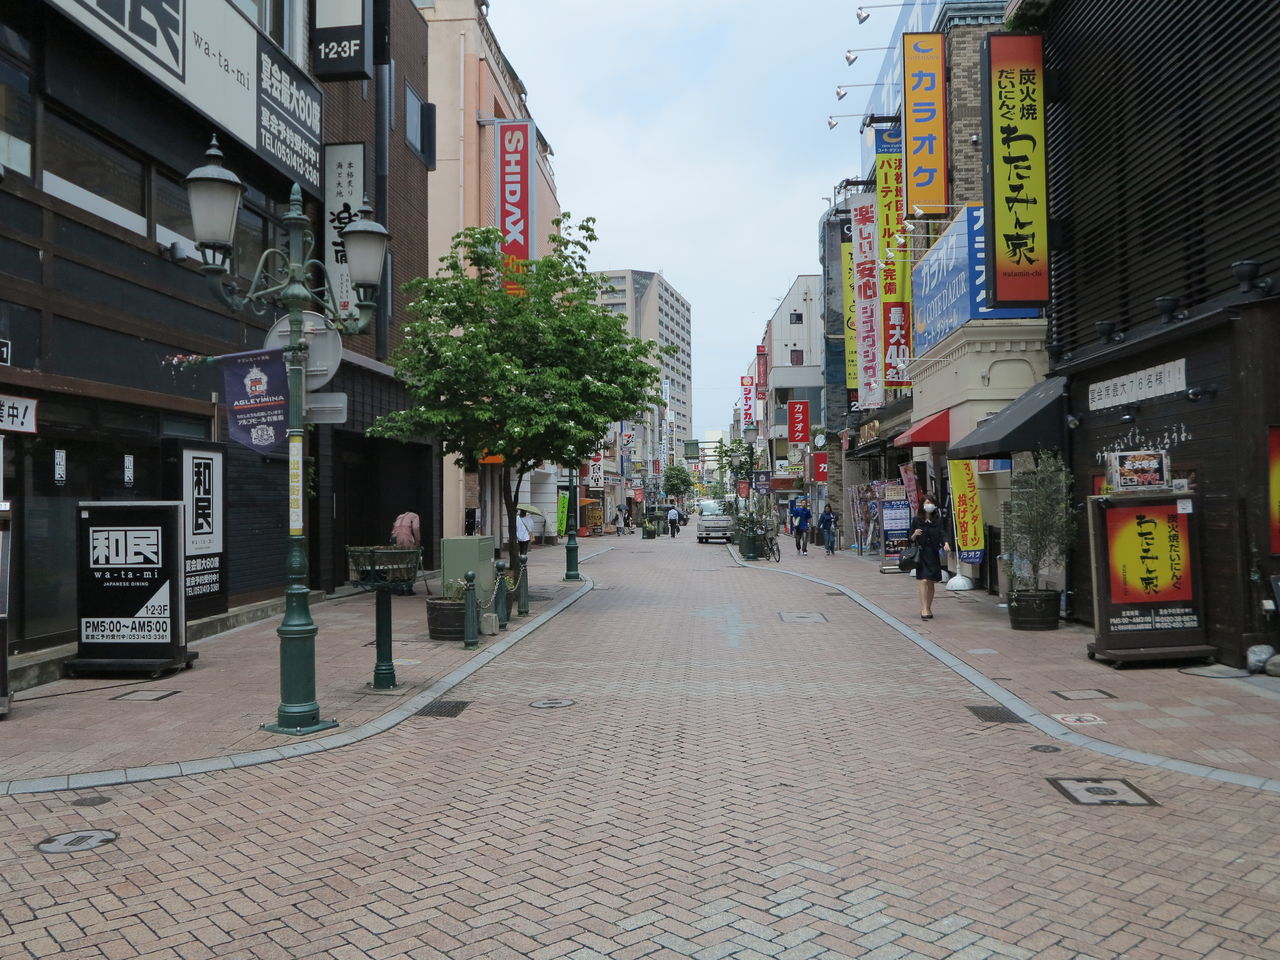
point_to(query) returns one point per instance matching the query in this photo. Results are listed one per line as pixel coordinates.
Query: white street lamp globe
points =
(214, 195)
(366, 244)
(750, 434)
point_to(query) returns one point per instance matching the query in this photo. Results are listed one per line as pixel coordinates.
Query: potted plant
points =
(446, 613)
(1038, 528)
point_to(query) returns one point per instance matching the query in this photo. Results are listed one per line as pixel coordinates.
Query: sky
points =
(695, 132)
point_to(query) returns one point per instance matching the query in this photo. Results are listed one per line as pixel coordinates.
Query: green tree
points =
(677, 481)
(517, 359)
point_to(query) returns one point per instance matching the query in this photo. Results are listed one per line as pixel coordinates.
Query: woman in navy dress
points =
(926, 532)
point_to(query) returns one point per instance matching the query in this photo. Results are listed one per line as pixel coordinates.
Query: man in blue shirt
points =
(801, 515)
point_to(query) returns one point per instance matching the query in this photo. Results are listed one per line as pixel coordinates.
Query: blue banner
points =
(257, 397)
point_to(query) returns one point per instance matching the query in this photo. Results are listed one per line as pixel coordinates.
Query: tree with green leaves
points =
(517, 358)
(677, 481)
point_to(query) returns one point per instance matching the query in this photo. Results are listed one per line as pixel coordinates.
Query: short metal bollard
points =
(470, 615)
(522, 588)
(500, 596)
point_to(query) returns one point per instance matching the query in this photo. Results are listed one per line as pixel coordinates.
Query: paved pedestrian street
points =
(698, 758)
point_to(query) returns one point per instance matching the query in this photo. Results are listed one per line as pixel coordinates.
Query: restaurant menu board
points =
(1146, 579)
(131, 602)
(896, 517)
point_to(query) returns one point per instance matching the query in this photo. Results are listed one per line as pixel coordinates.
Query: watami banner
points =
(895, 261)
(924, 120)
(966, 510)
(257, 396)
(1017, 196)
(516, 209)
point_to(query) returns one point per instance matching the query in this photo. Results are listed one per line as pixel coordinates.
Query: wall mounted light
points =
(1107, 331)
(1195, 393)
(1168, 308)
(1246, 274)
(1130, 413)
(1072, 421)
(879, 119)
(852, 55)
(862, 14)
(842, 90)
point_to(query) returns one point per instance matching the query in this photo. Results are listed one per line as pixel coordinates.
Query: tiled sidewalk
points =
(215, 709)
(1188, 711)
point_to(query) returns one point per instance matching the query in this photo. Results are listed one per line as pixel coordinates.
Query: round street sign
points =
(324, 346)
(819, 439)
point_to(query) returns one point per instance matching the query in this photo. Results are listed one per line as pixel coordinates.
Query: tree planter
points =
(445, 618)
(1034, 609)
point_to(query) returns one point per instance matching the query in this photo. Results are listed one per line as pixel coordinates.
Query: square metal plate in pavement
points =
(1083, 694)
(1092, 791)
(146, 695)
(786, 617)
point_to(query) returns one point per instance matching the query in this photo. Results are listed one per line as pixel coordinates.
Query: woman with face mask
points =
(926, 532)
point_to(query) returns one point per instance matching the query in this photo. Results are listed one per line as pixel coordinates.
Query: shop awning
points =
(1034, 421)
(935, 428)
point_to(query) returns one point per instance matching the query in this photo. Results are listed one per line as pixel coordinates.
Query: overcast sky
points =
(695, 132)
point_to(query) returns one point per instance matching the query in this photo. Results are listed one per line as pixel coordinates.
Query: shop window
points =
(85, 170)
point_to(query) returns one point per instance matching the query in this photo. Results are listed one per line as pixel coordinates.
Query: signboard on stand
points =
(195, 472)
(895, 517)
(130, 599)
(1148, 601)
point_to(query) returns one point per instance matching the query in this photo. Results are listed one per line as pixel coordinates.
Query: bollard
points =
(384, 672)
(500, 596)
(471, 615)
(522, 588)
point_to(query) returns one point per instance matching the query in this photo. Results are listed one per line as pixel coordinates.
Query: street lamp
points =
(281, 277)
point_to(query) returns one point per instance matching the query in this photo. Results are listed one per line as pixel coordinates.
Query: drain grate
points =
(988, 714)
(1095, 792)
(443, 708)
(146, 695)
(76, 841)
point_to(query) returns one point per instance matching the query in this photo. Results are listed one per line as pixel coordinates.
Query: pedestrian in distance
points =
(801, 515)
(406, 534)
(619, 519)
(926, 532)
(673, 520)
(523, 530)
(827, 524)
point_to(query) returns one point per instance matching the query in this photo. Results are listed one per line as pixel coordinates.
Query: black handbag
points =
(909, 559)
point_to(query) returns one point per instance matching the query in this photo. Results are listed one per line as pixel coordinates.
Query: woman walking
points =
(926, 532)
(827, 524)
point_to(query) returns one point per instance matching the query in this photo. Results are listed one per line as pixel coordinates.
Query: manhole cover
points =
(1046, 748)
(443, 708)
(786, 617)
(1092, 791)
(92, 800)
(552, 704)
(1083, 694)
(76, 841)
(995, 714)
(146, 695)
(1079, 719)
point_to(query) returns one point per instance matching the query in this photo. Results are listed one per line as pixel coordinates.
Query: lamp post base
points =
(571, 557)
(300, 731)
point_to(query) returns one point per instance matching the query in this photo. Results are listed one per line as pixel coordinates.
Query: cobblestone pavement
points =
(753, 766)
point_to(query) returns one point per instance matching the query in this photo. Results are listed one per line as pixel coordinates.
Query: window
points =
(267, 14)
(17, 108)
(173, 214)
(90, 173)
(797, 317)
(797, 358)
(420, 126)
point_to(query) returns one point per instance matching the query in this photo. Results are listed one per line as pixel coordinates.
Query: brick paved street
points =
(753, 766)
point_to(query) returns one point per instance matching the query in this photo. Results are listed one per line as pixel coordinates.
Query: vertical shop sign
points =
(762, 370)
(342, 40)
(1273, 486)
(862, 210)
(967, 510)
(1016, 197)
(196, 472)
(924, 120)
(344, 192)
(821, 466)
(895, 269)
(798, 421)
(562, 513)
(849, 303)
(748, 400)
(516, 210)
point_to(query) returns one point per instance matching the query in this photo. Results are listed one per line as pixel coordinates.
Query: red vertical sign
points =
(798, 421)
(820, 467)
(516, 159)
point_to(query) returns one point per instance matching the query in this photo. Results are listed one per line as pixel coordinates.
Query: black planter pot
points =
(445, 618)
(1034, 609)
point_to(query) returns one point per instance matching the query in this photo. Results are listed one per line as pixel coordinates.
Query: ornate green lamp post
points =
(281, 278)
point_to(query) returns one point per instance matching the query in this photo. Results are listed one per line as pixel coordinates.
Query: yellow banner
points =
(895, 260)
(850, 280)
(295, 485)
(924, 121)
(966, 510)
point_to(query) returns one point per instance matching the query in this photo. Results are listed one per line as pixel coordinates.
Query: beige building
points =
(473, 85)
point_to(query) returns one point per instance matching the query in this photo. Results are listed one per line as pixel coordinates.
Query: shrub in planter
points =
(1038, 528)
(446, 613)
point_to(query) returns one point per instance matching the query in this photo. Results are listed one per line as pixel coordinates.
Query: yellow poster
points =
(924, 121)
(967, 510)
(850, 281)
